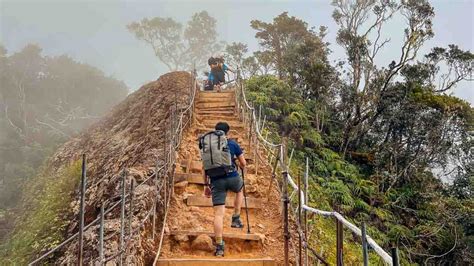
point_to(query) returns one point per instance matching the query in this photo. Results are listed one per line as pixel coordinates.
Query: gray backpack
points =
(215, 154)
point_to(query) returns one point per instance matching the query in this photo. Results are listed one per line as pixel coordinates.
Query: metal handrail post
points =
(81, 211)
(122, 216)
(306, 176)
(130, 210)
(300, 254)
(395, 259)
(365, 253)
(285, 216)
(101, 234)
(339, 243)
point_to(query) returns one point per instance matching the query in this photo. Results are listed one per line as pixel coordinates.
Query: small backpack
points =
(215, 154)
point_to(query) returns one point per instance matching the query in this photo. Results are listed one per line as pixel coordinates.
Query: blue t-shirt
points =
(211, 77)
(235, 152)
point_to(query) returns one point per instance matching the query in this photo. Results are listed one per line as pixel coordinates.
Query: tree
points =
(459, 64)
(264, 59)
(399, 116)
(277, 37)
(367, 85)
(43, 102)
(176, 47)
(235, 54)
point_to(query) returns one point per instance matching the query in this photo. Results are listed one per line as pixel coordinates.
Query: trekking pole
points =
(245, 199)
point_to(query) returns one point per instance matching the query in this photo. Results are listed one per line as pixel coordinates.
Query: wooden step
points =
(203, 201)
(215, 112)
(239, 128)
(216, 262)
(226, 98)
(192, 166)
(218, 117)
(241, 236)
(192, 178)
(231, 120)
(215, 94)
(232, 124)
(222, 105)
(218, 110)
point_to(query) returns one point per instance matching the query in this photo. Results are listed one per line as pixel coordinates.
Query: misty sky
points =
(95, 32)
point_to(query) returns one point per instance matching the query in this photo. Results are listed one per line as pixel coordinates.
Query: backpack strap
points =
(210, 148)
(201, 143)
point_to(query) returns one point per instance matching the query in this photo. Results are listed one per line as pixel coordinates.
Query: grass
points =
(42, 224)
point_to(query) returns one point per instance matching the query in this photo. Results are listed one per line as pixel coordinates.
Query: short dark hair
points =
(212, 61)
(223, 126)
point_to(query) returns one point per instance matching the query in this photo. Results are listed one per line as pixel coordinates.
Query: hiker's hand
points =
(207, 192)
(241, 161)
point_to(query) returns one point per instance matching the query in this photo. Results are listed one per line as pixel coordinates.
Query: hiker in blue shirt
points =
(222, 66)
(216, 76)
(221, 184)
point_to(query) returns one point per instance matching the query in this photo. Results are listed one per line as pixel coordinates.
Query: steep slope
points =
(130, 136)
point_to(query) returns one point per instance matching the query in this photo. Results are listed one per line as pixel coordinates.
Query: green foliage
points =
(281, 104)
(386, 181)
(443, 103)
(43, 223)
(44, 101)
(375, 134)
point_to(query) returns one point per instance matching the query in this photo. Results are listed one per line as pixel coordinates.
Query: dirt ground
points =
(265, 221)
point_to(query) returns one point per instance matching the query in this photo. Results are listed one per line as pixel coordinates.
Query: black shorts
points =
(220, 186)
(219, 77)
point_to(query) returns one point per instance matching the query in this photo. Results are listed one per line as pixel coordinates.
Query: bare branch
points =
(17, 129)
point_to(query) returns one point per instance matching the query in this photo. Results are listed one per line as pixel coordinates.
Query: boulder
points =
(203, 242)
(181, 238)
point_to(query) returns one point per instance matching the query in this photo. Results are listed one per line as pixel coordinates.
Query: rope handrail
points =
(257, 130)
(173, 146)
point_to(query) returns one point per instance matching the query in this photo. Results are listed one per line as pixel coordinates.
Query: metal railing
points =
(249, 115)
(162, 178)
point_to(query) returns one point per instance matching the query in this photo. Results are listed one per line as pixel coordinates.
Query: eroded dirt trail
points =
(190, 222)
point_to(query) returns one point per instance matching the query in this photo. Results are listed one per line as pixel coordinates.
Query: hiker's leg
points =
(219, 222)
(218, 200)
(239, 198)
(236, 185)
(219, 211)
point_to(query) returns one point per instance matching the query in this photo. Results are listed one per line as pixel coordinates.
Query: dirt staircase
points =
(190, 221)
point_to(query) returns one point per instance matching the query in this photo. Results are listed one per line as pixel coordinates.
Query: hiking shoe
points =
(236, 222)
(220, 250)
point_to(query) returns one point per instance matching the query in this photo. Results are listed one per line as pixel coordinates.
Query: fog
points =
(95, 32)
